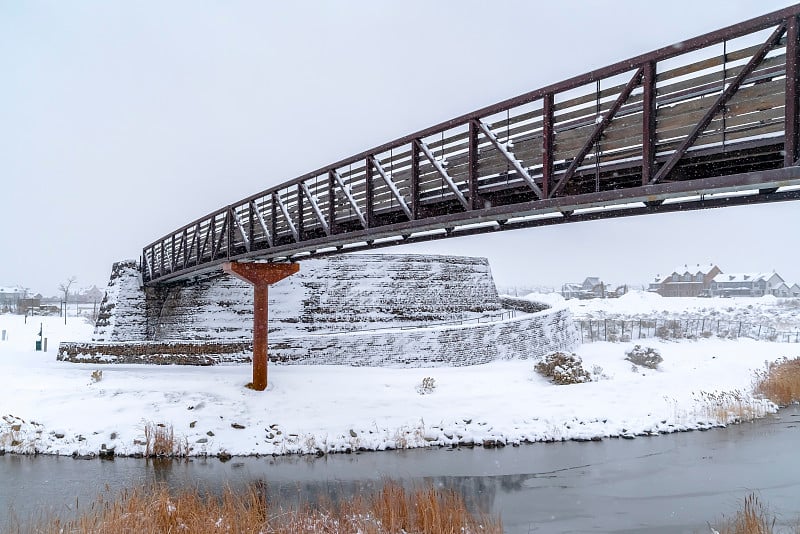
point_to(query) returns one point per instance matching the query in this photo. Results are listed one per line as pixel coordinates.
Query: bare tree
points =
(64, 286)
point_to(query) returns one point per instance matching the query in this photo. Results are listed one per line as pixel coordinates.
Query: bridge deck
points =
(708, 122)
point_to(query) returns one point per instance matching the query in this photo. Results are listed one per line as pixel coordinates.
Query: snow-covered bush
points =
(563, 368)
(427, 386)
(644, 356)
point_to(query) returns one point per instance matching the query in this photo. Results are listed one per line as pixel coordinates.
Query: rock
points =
(353, 433)
(16, 428)
(224, 456)
(237, 426)
(106, 453)
(59, 435)
(209, 433)
(113, 435)
(597, 438)
(202, 440)
(191, 425)
(270, 435)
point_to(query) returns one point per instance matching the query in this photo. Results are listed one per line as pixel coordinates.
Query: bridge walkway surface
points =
(708, 122)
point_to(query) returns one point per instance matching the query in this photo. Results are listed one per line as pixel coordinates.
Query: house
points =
(685, 281)
(782, 290)
(747, 285)
(794, 290)
(10, 295)
(93, 294)
(592, 287)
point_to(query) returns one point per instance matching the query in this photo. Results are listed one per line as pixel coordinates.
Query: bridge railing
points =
(722, 102)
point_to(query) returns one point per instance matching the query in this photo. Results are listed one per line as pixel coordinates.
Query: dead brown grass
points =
(160, 442)
(753, 518)
(391, 510)
(780, 382)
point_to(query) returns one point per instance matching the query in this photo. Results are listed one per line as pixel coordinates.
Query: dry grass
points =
(728, 407)
(753, 518)
(780, 382)
(160, 442)
(391, 510)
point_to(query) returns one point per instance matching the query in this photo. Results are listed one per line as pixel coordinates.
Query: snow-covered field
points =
(59, 408)
(782, 314)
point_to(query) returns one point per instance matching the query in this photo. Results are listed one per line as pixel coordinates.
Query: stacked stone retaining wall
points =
(523, 337)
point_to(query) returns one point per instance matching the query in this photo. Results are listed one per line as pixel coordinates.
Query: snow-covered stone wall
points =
(336, 294)
(348, 310)
(528, 336)
(123, 311)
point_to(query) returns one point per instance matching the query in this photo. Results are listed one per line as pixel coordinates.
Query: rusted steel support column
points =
(792, 93)
(261, 276)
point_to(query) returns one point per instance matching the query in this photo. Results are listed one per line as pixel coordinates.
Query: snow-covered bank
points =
(59, 408)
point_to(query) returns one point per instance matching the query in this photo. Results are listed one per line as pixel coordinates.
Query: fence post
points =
(605, 330)
(738, 335)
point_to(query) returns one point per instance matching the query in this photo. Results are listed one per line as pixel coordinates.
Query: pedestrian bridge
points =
(708, 122)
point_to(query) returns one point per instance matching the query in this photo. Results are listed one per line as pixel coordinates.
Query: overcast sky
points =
(121, 121)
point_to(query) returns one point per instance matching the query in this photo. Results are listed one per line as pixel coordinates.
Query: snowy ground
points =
(53, 407)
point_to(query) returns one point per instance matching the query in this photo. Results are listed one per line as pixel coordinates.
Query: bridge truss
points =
(711, 121)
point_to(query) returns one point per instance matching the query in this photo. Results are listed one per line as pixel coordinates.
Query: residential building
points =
(10, 295)
(685, 281)
(794, 290)
(592, 287)
(747, 285)
(782, 290)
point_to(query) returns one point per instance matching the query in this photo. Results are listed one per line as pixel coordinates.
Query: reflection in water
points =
(672, 483)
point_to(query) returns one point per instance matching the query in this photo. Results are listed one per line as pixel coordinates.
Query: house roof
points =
(10, 289)
(694, 269)
(703, 269)
(744, 278)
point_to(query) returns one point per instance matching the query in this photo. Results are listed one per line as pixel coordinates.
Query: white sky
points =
(120, 122)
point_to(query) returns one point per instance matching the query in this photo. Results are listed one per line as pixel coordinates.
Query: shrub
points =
(663, 332)
(644, 356)
(563, 369)
(427, 386)
(780, 382)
